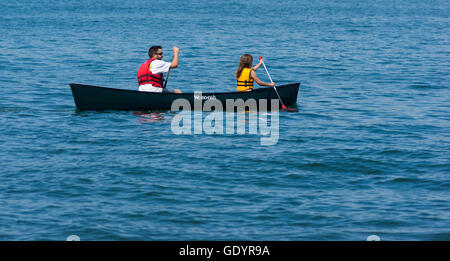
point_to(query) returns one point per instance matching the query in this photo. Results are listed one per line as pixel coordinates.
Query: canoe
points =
(95, 98)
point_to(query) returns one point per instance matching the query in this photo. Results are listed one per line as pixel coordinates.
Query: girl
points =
(245, 74)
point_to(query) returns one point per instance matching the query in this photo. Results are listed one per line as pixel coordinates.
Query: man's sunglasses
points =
(161, 53)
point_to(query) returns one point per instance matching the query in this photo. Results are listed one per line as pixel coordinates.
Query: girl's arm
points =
(253, 75)
(254, 68)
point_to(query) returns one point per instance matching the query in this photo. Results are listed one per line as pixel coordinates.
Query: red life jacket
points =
(145, 76)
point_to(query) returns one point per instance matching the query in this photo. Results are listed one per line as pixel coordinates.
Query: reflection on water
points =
(245, 117)
(151, 117)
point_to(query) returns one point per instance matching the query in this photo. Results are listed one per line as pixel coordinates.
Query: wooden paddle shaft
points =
(275, 88)
(167, 78)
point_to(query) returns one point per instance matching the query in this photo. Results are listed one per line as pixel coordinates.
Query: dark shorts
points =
(168, 91)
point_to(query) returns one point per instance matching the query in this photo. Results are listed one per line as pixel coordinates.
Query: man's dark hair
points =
(153, 50)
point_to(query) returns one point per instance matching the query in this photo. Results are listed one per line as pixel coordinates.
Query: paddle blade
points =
(288, 109)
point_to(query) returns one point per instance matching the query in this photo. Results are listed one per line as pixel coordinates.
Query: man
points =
(150, 75)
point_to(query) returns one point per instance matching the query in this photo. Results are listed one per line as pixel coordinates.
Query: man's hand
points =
(176, 49)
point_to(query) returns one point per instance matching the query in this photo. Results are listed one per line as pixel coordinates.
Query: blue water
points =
(367, 153)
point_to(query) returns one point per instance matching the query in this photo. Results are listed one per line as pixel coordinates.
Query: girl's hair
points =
(245, 62)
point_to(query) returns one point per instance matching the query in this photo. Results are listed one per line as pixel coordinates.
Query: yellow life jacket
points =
(245, 82)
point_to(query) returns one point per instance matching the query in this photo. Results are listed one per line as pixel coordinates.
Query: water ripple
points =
(367, 153)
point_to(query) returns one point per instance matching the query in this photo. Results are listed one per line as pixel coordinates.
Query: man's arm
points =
(174, 63)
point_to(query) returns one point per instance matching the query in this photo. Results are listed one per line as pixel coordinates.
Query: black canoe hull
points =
(94, 98)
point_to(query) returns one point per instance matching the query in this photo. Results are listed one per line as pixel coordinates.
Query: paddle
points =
(275, 88)
(167, 79)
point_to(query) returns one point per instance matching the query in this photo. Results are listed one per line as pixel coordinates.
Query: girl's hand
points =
(272, 84)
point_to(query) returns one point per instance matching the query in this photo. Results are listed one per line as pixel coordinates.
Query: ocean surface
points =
(368, 152)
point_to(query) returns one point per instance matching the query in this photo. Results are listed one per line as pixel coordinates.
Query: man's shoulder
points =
(155, 62)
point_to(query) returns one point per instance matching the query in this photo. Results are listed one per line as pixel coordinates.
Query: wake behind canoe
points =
(95, 98)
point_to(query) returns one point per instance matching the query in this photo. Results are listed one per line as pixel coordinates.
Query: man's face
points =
(159, 54)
